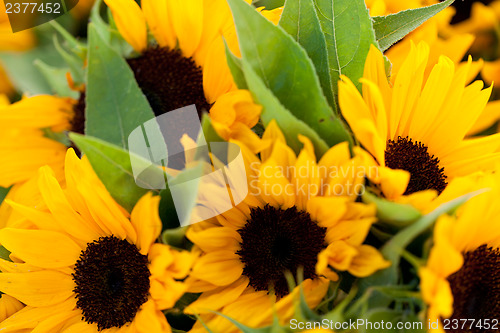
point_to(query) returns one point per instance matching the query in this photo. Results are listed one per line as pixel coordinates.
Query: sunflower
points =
(419, 124)
(461, 278)
(187, 64)
(25, 145)
(299, 213)
(85, 264)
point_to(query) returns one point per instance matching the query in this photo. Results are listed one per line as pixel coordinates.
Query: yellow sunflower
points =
(85, 264)
(24, 143)
(187, 65)
(418, 124)
(299, 213)
(461, 279)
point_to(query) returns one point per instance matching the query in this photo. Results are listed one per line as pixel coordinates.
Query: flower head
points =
(82, 262)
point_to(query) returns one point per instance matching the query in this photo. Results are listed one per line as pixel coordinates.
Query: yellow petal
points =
(149, 319)
(8, 306)
(146, 221)
(217, 298)
(220, 268)
(367, 261)
(130, 22)
(187, 20)
(160, 24)
(29, 317)
(42, 288)
(42, 248)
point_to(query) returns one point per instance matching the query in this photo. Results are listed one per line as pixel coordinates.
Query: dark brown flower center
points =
(424, 169)
(275, 241)
(112, 282)
(169, 80)
(78, 121)
(476, 287)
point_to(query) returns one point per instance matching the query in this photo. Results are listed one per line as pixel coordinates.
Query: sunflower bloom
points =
(419, 124)
(188, 64)
(85, 264)
(24, 146)
(462, 275)
(299, 213)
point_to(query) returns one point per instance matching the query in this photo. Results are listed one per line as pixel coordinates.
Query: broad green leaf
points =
(391, 28)
(348, 31)
(115, 103)
(56, 77)
(391, 213)
(273, 109)
(287, 72)
(112, 164)
(300, 20)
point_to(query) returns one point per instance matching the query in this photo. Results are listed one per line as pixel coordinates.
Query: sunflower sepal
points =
(391, 214)
(56, 78)
(392, 250)
(75, 46)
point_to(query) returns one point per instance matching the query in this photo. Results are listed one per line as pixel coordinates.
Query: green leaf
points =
(269, 4)
(74, 62)
(393, 249)
(300, 20)
(392, 214)
(56, 77)
(4, 253)
(112, 164)
(190, 179)
(115, 103)
(287, 71)
(20, 66)
(234, 64)
(348, 31)
(391, 28)
(208, 130)
(3, 193)
(168, 214)
(272, 109)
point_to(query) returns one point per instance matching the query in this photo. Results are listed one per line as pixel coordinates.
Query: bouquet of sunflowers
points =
(259, 167)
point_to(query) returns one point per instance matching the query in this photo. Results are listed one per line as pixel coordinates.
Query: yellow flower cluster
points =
(324, 228)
